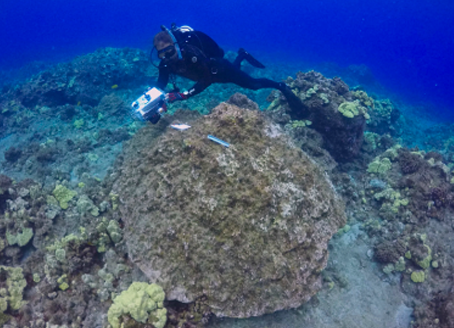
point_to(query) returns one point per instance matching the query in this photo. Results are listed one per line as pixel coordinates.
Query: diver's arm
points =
(163, 78)
(198, 88)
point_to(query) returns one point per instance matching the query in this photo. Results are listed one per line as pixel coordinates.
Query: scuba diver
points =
(194, 55)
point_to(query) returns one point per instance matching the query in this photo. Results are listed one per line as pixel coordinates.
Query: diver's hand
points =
(176, 96)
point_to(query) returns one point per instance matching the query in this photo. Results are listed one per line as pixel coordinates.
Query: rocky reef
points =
(171, 229)
(244, 227)
(337, 113)
(86, 80)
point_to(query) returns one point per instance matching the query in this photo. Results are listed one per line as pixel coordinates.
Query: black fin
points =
(251, 60)
(294, 102)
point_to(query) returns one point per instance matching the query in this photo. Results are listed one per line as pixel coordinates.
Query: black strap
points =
(173, 80)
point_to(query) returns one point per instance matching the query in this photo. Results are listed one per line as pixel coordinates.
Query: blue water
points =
(407, 44)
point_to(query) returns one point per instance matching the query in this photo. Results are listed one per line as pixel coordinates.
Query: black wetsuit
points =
(203, 61)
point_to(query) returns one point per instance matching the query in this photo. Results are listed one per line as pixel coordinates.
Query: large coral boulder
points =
(243, 229)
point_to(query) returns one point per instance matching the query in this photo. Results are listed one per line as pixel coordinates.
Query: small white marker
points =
(180, 127)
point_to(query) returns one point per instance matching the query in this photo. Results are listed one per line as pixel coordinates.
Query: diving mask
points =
(167, 53)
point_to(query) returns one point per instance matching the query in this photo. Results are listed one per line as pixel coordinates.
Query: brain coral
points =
(244, 228)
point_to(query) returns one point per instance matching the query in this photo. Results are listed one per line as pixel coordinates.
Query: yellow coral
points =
(63, 195)
(363, 97)
(351, 109)
(143, 302)
(418, 276)
(380, 166)
(78, 123)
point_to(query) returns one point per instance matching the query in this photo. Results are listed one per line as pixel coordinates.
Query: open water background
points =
(407, 45)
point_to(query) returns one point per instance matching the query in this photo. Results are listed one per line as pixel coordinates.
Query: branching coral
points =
(410, 162)
(389, 251)
(441, 196)
(437, 157)
(5, 184)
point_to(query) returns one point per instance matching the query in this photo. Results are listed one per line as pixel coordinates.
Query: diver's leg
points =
(242, 55)
(238, 60)
(293, 100)
(228, 73)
